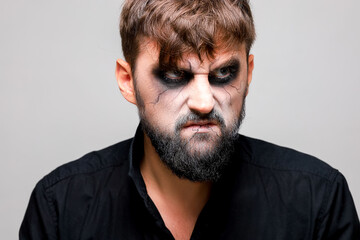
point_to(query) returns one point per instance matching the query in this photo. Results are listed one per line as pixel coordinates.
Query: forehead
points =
(149, 51)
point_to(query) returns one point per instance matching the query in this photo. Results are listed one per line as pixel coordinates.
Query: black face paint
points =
(225, 74)
(172, 78)
(176, 77)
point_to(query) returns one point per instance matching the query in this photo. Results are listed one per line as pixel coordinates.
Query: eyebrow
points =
(229, 62)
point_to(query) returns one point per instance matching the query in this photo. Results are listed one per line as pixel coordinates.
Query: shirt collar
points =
(135, 155)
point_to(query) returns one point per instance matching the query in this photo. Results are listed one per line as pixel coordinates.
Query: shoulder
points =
(64, 197)
(278, 158)
(94, 163)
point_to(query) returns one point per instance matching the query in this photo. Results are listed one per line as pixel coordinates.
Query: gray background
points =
(59, 98)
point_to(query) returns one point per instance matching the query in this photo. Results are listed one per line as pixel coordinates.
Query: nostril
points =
(201, 105)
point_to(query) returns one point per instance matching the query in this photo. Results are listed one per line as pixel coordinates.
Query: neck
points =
(160, 180)
(176, 199)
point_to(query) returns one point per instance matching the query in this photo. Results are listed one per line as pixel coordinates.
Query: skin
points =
(180, 201)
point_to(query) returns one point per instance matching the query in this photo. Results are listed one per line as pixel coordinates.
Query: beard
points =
(201, 158)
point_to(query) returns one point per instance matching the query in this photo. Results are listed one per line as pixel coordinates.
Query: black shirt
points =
(268, 192)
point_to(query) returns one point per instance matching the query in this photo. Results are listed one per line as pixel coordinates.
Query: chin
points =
(202, 143)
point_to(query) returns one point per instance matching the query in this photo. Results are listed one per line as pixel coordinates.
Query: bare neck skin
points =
(179, 201)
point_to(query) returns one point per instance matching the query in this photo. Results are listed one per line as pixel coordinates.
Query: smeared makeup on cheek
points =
(225, 77)
(158, 97)
(168, 82)
(159, 90)
(173, 79)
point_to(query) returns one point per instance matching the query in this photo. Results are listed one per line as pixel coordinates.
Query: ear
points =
(125, 80)
(250, 70)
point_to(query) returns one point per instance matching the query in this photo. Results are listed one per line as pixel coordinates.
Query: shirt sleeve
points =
(40, 218)
(340, 220)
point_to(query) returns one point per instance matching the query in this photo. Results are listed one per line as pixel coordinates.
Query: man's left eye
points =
(221, 72)
(224, 75)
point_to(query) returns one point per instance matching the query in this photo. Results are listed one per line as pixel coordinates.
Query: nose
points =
(201, 98)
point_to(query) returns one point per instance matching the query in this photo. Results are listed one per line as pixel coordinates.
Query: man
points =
(187, 173)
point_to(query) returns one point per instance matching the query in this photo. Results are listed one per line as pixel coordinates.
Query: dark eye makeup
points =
(174, 77)
(225, 74)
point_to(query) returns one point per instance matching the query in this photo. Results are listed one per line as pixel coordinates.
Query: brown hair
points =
(185, 26)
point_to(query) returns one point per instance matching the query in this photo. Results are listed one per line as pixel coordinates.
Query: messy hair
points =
(185, 26)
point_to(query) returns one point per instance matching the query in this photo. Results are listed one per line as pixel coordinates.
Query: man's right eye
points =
(174, 75)
(174, 78)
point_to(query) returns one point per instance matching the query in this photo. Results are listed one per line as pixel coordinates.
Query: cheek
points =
(162, 104)
(171, 103)
(230, 99)
(231, 93)
(166, 98)
(150, 91)
(159, 94)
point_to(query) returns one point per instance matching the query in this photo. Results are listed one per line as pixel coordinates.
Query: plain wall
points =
(59, 98)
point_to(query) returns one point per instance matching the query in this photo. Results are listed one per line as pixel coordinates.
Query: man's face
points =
(192, 112)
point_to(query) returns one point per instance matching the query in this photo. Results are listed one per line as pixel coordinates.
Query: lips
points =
(200, 124)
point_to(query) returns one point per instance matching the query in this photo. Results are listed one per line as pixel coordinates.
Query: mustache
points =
(192, 116)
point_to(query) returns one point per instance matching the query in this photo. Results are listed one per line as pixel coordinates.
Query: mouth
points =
(200, 126)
